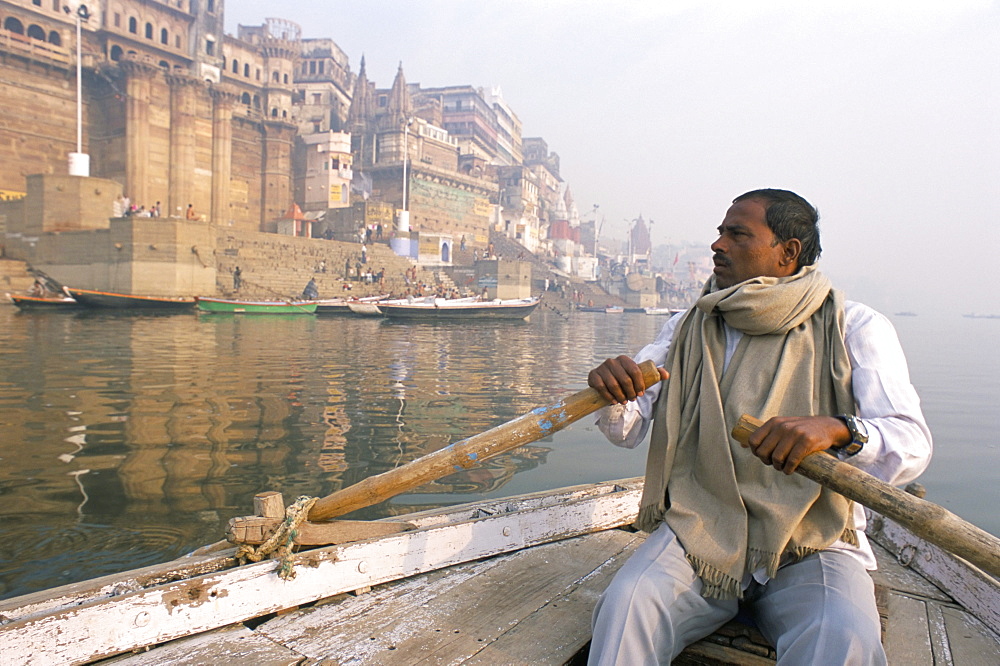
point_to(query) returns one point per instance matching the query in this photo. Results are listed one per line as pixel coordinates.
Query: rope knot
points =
(279, 545)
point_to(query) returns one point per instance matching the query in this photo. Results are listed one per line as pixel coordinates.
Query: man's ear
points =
(791, 250)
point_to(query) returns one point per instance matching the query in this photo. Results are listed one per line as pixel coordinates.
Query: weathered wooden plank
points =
(972, 588)
(972, 643)
(456, 613)
(234, 645)
(908, 640)
(77, 594)
(940, 645)
(560, 629)
(903, 579)
(109, 626)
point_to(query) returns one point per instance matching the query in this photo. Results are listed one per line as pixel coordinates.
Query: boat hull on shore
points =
(227, 306)
(460, 309)
(111, 300)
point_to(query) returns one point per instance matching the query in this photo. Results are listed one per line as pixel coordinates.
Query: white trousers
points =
(820, 610)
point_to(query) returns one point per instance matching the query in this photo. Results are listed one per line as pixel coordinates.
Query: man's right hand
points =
(619, 380)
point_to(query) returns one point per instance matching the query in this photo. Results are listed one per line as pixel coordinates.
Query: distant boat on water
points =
(459, 308)
(228, 306)
(109, 299)
(973, 315)
(906, 314)
(46, 303)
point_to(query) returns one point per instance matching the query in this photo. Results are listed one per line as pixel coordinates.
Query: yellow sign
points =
(482, 207)
(11, 195)
(335, 193)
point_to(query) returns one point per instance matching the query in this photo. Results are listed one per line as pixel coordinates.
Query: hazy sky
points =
(885, 115)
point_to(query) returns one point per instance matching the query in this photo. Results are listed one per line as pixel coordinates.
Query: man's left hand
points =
(784, 441)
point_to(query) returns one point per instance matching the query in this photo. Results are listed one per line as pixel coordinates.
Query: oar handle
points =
(925, 519)
(530, 427)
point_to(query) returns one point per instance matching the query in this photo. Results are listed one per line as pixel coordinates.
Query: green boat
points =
(225, 306)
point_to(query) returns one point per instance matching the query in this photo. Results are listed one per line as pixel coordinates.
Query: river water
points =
(130, 439)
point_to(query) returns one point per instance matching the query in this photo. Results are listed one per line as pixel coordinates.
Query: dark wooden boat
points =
(106, 299)
(46, 303)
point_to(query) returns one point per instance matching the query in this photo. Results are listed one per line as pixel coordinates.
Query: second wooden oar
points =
(925, 519)
(531, 427)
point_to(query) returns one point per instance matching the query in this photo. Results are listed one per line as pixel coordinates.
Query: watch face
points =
(858, 430)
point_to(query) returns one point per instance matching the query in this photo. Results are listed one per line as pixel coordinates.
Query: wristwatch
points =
(859, 435)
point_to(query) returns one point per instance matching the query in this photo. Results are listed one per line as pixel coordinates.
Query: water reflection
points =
(130, 439)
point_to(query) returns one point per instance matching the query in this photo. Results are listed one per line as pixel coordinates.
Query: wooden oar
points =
(469, 452)
(925, 519)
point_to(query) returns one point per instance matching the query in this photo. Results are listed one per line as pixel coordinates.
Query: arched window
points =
(133, 25)
(149, 31)
(13, 25)
(284, 114)
(256, 101)
(274, 77)
(236, 66)
(165, 65)
(116, 53)
(285, 78)
(274, 112)
(245, 99)
(55, 39)
(246, 70)
(164, 37)
(36, 32)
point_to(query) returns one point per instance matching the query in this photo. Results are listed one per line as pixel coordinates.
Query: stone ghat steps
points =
(14, 276)
(281, 267)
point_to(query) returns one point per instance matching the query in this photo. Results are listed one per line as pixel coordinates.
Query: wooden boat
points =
(437, 309)
(340, 306)
(614, 309)
(500, 581)
(46, 303)
(365, 308)
(107, 299)
(227, 306)
(662, 311)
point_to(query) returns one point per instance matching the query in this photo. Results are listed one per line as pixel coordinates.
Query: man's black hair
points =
(790, 216)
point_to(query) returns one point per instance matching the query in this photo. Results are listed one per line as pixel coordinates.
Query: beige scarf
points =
(732, 513)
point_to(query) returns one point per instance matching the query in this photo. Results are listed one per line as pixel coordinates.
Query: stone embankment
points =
(274, 266)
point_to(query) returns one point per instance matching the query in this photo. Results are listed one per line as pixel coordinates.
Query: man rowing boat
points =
(769, 337)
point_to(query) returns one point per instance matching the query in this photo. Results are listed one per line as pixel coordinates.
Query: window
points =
(284, 79)
(54, 38)
(317, 98)
(116, 53)
(118, 20)
(209, 47)
(320, 66)
(312, 66)
(177, 41)
(236, 67)
(133, 25)
(35, 32)
(245, 99)
(164, 37)
(13, 25)
(274, 77)
(37, 3)
(246, 70)
(149, 31)
(211, 6)
(258, 74)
